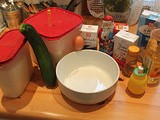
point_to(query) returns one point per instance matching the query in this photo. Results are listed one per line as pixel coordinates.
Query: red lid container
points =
(55, 24)
(10, 44)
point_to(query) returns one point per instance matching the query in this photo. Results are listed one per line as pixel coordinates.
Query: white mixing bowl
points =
(87, 76)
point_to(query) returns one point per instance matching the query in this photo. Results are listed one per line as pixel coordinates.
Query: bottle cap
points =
(133, 50)
(140, 71)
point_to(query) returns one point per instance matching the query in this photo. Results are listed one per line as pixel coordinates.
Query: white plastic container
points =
(58, 28)
(15, 64)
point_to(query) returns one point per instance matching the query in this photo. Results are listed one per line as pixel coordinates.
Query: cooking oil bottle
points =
(138, 81)
(152, 57)
(131, 60)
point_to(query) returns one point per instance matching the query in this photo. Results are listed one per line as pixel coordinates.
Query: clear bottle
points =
(131, 60)
(138, 81)
(152, 57)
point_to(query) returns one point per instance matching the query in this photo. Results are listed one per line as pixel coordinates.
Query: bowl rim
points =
(88, 50)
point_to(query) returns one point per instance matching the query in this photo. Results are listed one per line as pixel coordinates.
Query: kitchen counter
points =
(40, 102)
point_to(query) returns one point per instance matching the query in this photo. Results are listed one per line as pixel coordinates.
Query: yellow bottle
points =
(138, 81)
(152, 57)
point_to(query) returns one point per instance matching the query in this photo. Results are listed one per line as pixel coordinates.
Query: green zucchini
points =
(41, 53)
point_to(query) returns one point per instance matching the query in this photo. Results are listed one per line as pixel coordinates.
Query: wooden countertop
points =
(39, 102)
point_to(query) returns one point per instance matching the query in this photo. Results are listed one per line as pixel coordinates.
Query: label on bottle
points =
(153, 68)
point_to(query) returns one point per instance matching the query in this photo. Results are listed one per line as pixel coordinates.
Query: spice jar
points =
(131, 60)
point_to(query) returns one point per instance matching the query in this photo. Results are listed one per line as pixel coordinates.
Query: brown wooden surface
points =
(39, 102)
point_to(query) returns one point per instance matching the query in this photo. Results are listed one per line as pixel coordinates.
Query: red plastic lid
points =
(10, 43)
(61, 22)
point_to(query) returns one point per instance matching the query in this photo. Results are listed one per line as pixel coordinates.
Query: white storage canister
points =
(15, 64)
(58, 28)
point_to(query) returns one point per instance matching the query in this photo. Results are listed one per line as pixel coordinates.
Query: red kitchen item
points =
(62, 22)
(10, 43)
(58, 29)
(15, 64)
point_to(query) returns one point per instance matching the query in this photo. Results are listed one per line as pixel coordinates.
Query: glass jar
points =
(131, 60)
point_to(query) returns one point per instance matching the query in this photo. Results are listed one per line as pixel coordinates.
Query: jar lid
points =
(133, 50)
(10, 43)
(54, 22)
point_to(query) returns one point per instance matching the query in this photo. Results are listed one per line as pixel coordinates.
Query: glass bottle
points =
(12, 15)
(152, 57)
(131, 60)
(138, 81)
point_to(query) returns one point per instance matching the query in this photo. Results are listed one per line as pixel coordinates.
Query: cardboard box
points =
(121, 26)
(155, 19)
(90, 35)
(122, 41)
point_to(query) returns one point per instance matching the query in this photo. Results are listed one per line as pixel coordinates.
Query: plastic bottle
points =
(131, 60)
(152, 57)
(138, 81)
